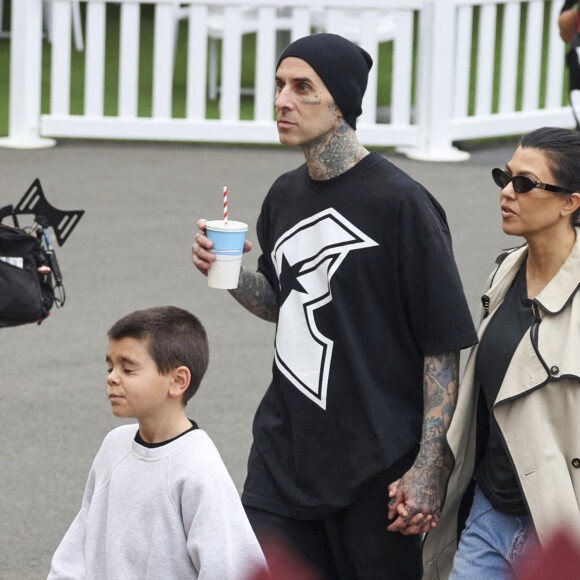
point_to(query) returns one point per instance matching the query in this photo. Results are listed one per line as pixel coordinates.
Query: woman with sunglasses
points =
(514, 440)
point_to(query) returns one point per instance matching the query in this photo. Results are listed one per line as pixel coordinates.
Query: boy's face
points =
(134, 385)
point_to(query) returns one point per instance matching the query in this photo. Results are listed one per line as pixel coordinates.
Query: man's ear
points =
(180, 381)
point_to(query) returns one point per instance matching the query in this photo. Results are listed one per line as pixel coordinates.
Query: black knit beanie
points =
(342, 65)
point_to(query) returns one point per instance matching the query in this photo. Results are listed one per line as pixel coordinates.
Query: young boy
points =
(159, 502)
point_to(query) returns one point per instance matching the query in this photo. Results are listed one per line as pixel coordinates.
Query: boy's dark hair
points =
(174, 337)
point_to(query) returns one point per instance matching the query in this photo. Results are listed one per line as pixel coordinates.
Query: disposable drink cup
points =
(228, 246)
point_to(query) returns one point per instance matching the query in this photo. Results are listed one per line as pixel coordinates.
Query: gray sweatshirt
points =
(170, 512)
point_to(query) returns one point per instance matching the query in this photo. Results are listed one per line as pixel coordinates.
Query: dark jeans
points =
(352, 543)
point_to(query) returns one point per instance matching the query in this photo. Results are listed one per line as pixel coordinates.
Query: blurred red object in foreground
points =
(559, 560)
(284, 564)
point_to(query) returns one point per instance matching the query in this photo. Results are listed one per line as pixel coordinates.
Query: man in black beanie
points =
(341, 65)
(357, 272)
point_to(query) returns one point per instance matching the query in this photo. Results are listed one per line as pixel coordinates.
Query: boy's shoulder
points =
(198, 447)
(118, 442)
(124, 433)
(199, 450)
(116, 446)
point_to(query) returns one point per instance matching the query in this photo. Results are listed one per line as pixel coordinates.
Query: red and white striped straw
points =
(225, 204)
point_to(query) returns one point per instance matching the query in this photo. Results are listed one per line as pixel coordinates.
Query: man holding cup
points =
(357, 271)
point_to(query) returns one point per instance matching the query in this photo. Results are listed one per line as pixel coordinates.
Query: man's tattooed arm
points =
(441, 378)
(256, 295)
(419, 489)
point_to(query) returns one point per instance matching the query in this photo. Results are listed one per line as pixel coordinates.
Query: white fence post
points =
(25, 77)
(436, 86)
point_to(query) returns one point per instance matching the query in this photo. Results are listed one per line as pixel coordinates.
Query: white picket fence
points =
(439, 91)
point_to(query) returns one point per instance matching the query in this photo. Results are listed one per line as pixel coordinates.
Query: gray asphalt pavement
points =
(132, 250)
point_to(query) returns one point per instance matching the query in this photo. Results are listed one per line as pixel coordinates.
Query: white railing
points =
(440, 92)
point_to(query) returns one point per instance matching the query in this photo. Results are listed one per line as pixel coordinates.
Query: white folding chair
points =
(76, 23)
(216, 27)
(353, 28)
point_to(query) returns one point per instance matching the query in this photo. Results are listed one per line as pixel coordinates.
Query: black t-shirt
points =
(363, 268)
(495, 474)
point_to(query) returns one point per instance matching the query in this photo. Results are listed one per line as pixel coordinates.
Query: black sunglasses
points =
(523, 183)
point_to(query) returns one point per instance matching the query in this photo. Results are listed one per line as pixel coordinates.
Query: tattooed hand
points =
(415, 501)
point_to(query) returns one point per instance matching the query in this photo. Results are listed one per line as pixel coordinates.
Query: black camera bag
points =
(26, 294)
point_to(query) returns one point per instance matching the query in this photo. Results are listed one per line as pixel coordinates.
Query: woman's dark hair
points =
(562, 149)
(174, 337)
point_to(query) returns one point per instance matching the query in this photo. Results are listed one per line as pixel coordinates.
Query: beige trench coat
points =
(537, 410)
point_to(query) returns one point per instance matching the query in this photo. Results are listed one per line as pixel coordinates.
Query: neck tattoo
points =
(334, 153)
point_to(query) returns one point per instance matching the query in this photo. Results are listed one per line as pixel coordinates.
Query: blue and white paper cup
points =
(228, 246)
